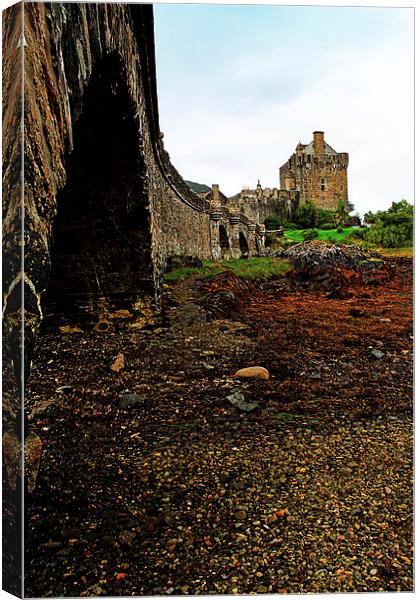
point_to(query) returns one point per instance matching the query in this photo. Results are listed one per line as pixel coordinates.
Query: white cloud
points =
(362, 100)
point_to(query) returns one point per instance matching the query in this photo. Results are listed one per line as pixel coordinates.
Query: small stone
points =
(32, 452)
(373, 571)
(70, 329)
(128, 400)
(377, 354)
(238, 401)
(127, 537)
(118, 363)
(120, 314)
(64, 389)
(260, 372)
(388, 490)
(240, 515)
(356, 313)
(11, 457)
(44, 408)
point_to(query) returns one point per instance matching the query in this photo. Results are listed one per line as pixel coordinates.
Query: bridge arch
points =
(224, 242)
(103, 200)
(243, 245)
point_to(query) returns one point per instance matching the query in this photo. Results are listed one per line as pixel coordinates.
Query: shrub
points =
(392, 228)
(292, 226)
(310, 234)
(326, 226)
(270, 238)
(285, 243)
(331, 239)
(273, 222)
(339, 229)
(359, 234)
(325, 216)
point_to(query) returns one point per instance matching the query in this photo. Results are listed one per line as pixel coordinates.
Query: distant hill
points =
(198, 187)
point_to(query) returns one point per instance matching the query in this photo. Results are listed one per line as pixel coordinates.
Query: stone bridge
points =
(99, 202)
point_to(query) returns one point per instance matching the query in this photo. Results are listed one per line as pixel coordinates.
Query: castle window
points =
(323, 185)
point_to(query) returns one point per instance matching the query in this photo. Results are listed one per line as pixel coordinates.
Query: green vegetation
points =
(291, 226)
(207, 270)
(325, 216)
(259, 267)
(392, 228)
(329, 235)
(270, 240)
(326, 226)
(310, 234)
(341, 214)
(307, 215)
(273, 222)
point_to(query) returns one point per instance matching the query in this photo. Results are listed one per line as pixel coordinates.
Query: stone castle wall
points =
(260, 203)
(104, 206)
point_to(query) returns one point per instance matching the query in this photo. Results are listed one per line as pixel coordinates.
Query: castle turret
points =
(299, 149)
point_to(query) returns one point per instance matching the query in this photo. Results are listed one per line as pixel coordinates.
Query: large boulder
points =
(319, 265)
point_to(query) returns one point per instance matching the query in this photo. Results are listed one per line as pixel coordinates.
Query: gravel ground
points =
(182, 493)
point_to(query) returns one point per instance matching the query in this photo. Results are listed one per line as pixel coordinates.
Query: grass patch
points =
(329, 235)
(258, 267)
(207, 270)
(407, 252)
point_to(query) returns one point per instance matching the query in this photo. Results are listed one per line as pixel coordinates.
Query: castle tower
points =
(317, 172)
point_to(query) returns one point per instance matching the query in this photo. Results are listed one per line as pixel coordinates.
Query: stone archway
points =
(243, 245)
(224, 241)
(101, 239)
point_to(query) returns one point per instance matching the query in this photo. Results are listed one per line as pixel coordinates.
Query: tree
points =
(392, 228)
(341, 214)
(325, 216)
(307, 215)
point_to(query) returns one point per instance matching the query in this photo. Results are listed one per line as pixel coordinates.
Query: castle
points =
(314, 172)
(317, 172)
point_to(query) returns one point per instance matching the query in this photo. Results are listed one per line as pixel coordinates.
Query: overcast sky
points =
(240, 86)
